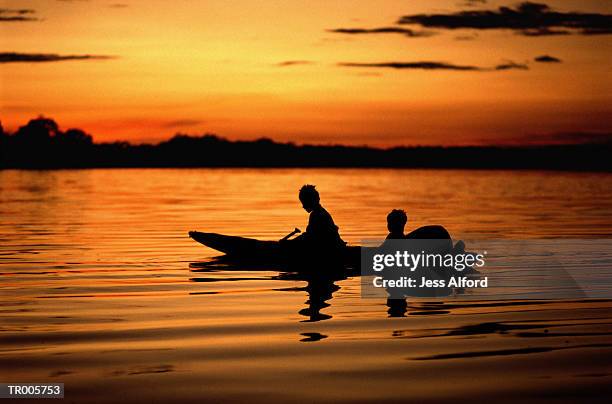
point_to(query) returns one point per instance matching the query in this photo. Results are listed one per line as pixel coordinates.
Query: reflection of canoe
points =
(274, 251)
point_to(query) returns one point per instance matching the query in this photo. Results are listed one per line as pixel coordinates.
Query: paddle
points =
(295, 231)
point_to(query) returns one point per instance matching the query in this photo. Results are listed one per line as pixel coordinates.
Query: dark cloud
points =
(547, 59)
(17, 14)
(428, 65)
(597, 31)
(13, 57)
(414, 65)
(532, 19)
(294, 63)
(382, 30)
(118, 5)
(16, 18)
(511, 66)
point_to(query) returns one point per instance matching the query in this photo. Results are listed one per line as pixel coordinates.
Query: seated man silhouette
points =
(321, 232)
(396, 221)
(433, 239)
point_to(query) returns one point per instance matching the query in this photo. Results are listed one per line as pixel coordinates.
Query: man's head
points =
(309, 197)
(396, 220)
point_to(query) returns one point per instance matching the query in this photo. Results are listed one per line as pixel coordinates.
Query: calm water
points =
(103, 290)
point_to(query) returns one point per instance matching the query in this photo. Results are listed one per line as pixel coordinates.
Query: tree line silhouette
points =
(40, 144)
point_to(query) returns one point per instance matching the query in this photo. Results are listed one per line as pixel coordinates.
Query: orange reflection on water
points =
(98, 291)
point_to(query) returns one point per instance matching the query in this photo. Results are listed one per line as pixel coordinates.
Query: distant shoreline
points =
(41, 145)
(540, 159)
(243, 167)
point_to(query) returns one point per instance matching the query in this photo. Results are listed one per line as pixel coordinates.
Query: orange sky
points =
(213, 66)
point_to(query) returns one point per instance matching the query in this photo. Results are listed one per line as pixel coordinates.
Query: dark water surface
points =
(101, 289)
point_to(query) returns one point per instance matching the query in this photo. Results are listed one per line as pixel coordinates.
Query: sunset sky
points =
(310, 72)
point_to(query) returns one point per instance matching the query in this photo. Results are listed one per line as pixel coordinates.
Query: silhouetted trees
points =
(41, 144)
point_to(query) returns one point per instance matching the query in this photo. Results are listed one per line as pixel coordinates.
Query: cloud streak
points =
(528, 18)
(547, 59)
(181, 123)
(413, 66)
(14, 57)
(288, 63)
(433, 65)
(17, 14)
(473, 3)
(563, 138)
(511, 66)
(382, 30)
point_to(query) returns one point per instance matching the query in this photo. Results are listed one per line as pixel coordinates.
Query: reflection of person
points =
(320, 290)
(396, 221)
(398, 306)
(321, 232)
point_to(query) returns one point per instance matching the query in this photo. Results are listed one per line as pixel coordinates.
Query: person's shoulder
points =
(322, 212)
(319, 211)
